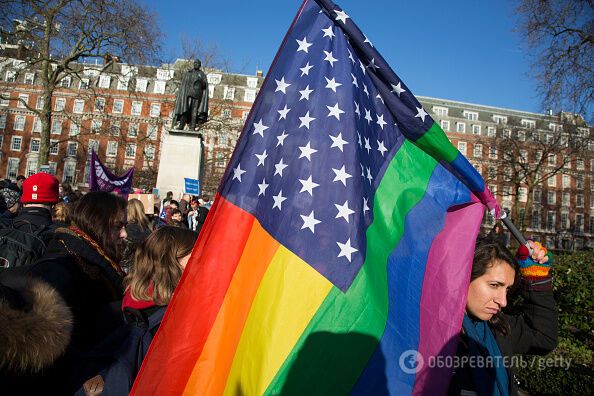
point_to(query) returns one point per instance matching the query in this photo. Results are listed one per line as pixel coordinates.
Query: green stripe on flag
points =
(343, 334)
(436, 143)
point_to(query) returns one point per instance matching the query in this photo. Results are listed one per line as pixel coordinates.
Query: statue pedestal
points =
(181, 153)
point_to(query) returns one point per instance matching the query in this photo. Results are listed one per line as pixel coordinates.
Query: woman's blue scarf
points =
(492, 380)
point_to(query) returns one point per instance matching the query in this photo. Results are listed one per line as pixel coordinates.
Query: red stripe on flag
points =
(196, 302)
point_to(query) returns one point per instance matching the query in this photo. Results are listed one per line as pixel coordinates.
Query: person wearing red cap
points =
(40, 194)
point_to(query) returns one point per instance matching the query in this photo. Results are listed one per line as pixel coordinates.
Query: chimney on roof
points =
(550, 112)
(259, 73)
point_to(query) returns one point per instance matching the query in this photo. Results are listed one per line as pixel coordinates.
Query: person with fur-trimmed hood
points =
(35, 330)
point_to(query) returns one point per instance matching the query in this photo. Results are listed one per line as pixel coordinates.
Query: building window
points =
(478, 150)
(130, 150)
(252, 82)
(249, 95)
(136, 108)
(74, 129)
(15, 143)
(12, 169)
(39, 103)
(555, 127)
(71, 149)
(10, 76)
(151, 131)
(551, 197)
(579, 222)
(19, 123)
(565, 181)
(226, 113)
(149, 152)
(462, 147)
(69, 171)
(31, 166)
(460, 127)
(159, 87)
(34, 145)
(54, 147)
(492, 175)
(29, 78)
(579, 200)
(551, 220)
(141, 84)
(23, 101)
(163, 74)
(591, 224)
(65, 82)
(223, 140)
(122, 83)
(112, 148)
(3, 118)
(245, 114)
(104, 81)
(84, 83)
(522, 136)
(491, 132)
(93, 146)
(470, 115)
(579, 182)
(99, 104)
(440, 111)
(565, 199)
(118, 106)
(4, 99)
(579, 164)
(133, 130)
(229, 93)
(536, 196)
(210, 91)
(214, 79)
(79, 106)
(564, 220)
(476, 129)
(536, 219)
(114, 128)
(56, 127)
(96, 126)
(552, 161)
(552, 181)
(528, 123)
(155, 110)
(445, 125)
(220, 161)
(60, 104)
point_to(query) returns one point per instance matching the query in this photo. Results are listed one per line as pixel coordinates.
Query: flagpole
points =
(514, 230)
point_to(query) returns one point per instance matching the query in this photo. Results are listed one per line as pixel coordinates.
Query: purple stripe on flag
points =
(444, 294)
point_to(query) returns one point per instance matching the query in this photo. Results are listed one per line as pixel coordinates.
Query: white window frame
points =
(40, 102)
(527, 123)
(96, 126)
(136, 108)
(32, 143)
(19, 122)
(23, 101)
(477, 150)
(149, 152)
(104, 81)
(476, 129)
(440, 111)
(60, 104)
(84, 83)
(141, 84)
(152, 131)
(56, 128)
(128, 152)
(3, 118)
(249, 95)
(159, 87)
(462, 148)
(470, 115)
(155, 110)
(228, 93)
(10, 76)
(79, 106)
(214, 78)
(74, 129)
(71, 149)
(118, 106)
(30, 78)
(133, 130)
(16, 143)
(461, 127)
(54, 147)
(12, 168)
(252, 82)
(99, 105)
(445, 125)
(112, 148)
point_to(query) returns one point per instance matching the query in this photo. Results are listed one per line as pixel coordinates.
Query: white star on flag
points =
(355, 83)
(281, 85)
(341, 175)
(262, 187)
(421, 113)
(337, 141)
(261, 158)
(310, 222)
(282, 114)
(380, 121)
(279, 166)
(303, 45)
(237, 172)
(305, 93)
(281, 139)
(397, 89)
(307, 151)
(381, 148)
(259, 128)
(344, 211)
(341, 16)
(278, 200)
(368, 116)
(332, 84)
(305, 69)
(334, 111)
(331, 59)
(346, 250)
(367, 145)
(308, 185)
(365, 206)
(306, 120)
(328, 32)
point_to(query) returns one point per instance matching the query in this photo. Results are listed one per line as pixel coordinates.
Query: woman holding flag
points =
(489, 339)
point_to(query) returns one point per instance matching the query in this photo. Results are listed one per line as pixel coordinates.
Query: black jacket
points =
(35, 219)
(90, 287)
(534, 332)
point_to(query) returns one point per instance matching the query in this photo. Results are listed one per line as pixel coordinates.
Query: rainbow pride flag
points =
(336, 258)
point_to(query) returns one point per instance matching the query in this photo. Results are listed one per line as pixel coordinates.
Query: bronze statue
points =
(191, 103)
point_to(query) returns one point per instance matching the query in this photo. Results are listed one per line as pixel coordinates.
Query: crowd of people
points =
(86, 279)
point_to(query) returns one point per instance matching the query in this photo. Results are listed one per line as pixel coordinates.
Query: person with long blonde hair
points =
(138, 229)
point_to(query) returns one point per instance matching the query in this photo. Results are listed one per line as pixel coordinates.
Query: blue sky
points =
(462, 50)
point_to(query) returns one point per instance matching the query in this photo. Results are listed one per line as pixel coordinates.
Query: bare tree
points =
(560, 36)
(524, 159)
(59, 33)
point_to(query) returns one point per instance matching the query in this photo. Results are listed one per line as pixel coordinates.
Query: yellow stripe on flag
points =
(288, 297)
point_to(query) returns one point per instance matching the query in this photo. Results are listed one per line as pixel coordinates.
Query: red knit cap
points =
(40, 188)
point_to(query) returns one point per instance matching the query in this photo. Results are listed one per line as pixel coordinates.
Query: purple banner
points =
(101, 178)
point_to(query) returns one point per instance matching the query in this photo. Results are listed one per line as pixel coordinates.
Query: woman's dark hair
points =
(486, 251)
(99, 215)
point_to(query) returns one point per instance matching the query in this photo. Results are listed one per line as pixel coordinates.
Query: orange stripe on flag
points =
(196, 302)
(212, 368)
